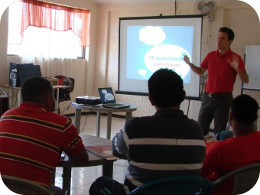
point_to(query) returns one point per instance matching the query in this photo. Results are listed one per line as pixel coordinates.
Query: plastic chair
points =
(64, 94)
(23, 186)
(244, 178)
(178, 185)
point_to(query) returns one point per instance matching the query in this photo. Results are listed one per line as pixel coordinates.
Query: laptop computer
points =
(108, 99)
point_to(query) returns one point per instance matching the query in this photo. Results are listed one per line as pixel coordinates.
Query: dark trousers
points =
(215, 106)
(106, 185)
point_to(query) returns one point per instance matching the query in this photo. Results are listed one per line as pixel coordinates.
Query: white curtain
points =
(42, 43)
(47, 32)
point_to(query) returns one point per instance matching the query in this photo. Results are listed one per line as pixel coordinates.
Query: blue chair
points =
(178, 185)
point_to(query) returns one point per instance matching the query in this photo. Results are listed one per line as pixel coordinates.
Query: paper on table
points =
(104, 151)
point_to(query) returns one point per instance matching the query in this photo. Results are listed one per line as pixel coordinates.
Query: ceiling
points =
(143, 1)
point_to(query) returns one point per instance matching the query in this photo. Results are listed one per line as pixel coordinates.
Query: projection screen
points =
(147, 44)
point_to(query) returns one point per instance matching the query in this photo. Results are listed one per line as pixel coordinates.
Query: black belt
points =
(218, 94)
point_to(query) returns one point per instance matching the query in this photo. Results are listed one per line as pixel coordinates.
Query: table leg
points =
(77, 119)
(57, 100)
(66, 179)
(108, 169)
(11, 97)
(128, 116)
(19, 97)
(53, 177)
(109, 124)
(98, 124)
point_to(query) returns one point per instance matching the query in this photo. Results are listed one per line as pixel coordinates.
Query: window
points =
(56, 31)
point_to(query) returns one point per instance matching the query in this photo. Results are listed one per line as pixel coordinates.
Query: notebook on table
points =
(108, 99)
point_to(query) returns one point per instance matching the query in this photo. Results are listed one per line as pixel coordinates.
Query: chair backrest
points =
(244, 178)
(178, 185)
(23, 186)
(64, 94)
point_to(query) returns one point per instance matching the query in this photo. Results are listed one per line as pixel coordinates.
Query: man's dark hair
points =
(229, 31)
(244, 109)
(166, 88)
(36, 89)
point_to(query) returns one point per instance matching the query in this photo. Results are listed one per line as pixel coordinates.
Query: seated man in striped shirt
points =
(159, 146)
(32, 136)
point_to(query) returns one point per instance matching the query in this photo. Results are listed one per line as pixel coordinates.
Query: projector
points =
(90, 100)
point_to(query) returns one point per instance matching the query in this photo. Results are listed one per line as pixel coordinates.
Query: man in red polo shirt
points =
(240, 150)
(223, 66)
(32, 136)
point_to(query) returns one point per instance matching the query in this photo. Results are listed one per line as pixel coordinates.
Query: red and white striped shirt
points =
(32, 140)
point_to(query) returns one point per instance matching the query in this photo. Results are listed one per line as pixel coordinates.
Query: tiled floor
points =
(82, 178)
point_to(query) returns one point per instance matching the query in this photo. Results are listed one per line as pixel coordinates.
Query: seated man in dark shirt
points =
(32, 136)
(159, 146)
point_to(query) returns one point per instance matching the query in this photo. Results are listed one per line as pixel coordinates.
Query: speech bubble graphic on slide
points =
(167, 56)
(142, 72)
(152, 35)
(108, 96)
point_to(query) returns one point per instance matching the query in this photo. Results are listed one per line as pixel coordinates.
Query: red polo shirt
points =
(221, 75)
(31, 142)
(228, 155)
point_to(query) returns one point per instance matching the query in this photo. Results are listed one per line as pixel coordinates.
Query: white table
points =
(11, 94)
(98, 109)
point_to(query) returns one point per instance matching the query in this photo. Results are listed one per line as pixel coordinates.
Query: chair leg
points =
(58, 107)
(53, 177)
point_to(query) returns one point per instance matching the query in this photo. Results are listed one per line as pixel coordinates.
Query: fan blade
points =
(200, 5)
(211, 5)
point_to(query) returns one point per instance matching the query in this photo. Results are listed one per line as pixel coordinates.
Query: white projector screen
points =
(147, 44)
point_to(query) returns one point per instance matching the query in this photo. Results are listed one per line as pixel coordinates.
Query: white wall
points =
(3, 48)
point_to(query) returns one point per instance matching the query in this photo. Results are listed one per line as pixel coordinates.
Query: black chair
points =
(64, 94)
(244, 178)
(177, 185)
(23, 186)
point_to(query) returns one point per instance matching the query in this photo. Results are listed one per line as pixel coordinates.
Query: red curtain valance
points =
(56, 17)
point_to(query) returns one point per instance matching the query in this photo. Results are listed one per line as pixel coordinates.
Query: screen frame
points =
(157, 17)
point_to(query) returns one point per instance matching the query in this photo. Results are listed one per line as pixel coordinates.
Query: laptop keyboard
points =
(114, 104)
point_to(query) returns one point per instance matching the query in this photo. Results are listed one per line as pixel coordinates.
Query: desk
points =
(11, 91)
(19, 97)
(98, 110)
(94, 160)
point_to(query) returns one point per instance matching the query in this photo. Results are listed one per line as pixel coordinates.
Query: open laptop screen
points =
(106, 95)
